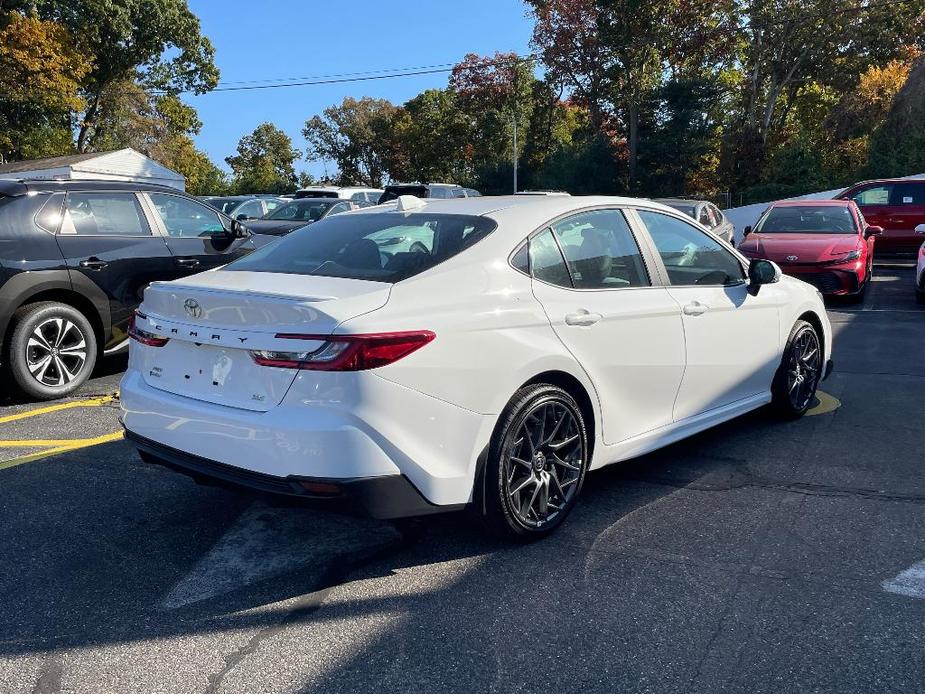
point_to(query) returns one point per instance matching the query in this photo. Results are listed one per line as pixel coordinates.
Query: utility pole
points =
(515, 153)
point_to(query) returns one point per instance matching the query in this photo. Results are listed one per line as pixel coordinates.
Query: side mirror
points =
(762, 272)
(239, 231)
(746, 231)
(920, 229)
(876, 231)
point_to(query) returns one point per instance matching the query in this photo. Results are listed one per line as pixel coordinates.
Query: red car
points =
(895, 205)
(824, 242)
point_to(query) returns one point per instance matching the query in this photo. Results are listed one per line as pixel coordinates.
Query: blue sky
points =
(291, 39)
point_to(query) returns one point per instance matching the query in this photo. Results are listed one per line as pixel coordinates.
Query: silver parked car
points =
(708, 214)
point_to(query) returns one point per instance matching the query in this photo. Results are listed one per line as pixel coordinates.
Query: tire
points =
(800, 369)
(535, 467)
(858, 298)
(920, 295)
(52, 351)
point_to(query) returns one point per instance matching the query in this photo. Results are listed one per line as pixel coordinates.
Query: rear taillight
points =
(143, 336)
(346, 352)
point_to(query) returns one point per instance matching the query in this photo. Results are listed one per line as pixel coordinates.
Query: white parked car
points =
(483, 352)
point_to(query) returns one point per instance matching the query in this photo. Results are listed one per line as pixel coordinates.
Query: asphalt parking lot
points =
(758, 557)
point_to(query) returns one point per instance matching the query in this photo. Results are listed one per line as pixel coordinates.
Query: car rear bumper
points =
(329, 428)
(385, 497)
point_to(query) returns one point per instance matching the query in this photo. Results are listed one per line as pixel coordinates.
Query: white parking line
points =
(910, 582)
(265, 542)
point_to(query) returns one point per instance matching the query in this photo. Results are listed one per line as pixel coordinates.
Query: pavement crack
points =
(804, 488)
(335, 575)
(49, 681)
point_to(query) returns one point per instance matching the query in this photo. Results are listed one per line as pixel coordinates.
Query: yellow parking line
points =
(65, 447)
(95, 402)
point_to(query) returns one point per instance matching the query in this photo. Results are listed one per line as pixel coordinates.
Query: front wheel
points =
(798, 376)
(536, 464)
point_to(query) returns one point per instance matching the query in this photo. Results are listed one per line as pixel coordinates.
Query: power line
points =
(367, 76)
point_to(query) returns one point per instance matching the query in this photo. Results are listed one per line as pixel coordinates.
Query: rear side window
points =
(546, 261)
(908, 194)
(382, 247)
(600, 251)
(103, 214)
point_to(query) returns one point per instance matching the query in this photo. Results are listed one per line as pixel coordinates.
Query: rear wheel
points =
(52, 351)
(536, 464)
(798, 376)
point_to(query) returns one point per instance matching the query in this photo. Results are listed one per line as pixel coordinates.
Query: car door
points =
(198, 237)
(907, 211)
(731, 335)
(874, 202)
(625, 331)
(105, 237)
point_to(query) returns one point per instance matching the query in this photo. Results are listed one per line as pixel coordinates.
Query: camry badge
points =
(193, 308)
(792, 258)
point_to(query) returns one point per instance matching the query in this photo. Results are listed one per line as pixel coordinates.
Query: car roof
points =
(523, 212)
(679, 201)
(811, 203)
(46, 186)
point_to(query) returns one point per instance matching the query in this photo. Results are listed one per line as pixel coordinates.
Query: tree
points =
(157, 43)
(353, 136)
(265, 162)
(897, 146)
(40, 73)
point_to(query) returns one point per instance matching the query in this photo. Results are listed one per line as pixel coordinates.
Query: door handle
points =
(695, 308)
(93, 264)
(187, 262)
(582, 317)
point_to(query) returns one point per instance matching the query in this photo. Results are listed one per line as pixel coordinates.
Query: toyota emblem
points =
(793, 258)
(193, 308)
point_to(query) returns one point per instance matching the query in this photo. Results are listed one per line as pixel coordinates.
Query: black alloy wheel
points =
(800, 371)
(537, 463)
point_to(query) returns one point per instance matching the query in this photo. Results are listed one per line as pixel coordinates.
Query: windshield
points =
(808, 219)
(304, 210)
(381, 247)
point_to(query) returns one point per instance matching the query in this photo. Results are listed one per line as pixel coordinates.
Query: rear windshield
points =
(392, 192)
(809, 219)
(384, 247)
(225, 205)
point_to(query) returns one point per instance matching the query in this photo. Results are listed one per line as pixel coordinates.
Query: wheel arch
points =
(574, 387)
(814, 320)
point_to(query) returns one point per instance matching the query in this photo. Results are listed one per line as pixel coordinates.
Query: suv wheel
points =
(52, 351)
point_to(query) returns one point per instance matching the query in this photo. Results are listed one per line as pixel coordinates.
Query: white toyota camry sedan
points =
(426, 356)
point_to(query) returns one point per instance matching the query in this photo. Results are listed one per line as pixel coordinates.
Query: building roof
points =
(48, 163)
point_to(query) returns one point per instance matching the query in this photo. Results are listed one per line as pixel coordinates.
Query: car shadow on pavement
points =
(108, 549)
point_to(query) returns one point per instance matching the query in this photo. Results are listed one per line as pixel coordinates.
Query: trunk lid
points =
(215, 319)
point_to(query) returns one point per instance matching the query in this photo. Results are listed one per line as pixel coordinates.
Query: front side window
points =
(103, 214)
(378, 247)
(183, 218)
(690, 256)
(874, 195)
(600, 251)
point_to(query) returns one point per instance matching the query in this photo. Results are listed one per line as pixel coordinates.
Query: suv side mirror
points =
(876, 231)
(920, 229)
(761, 272)
(746, 231)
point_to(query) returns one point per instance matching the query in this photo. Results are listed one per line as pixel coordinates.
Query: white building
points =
(119, 165)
